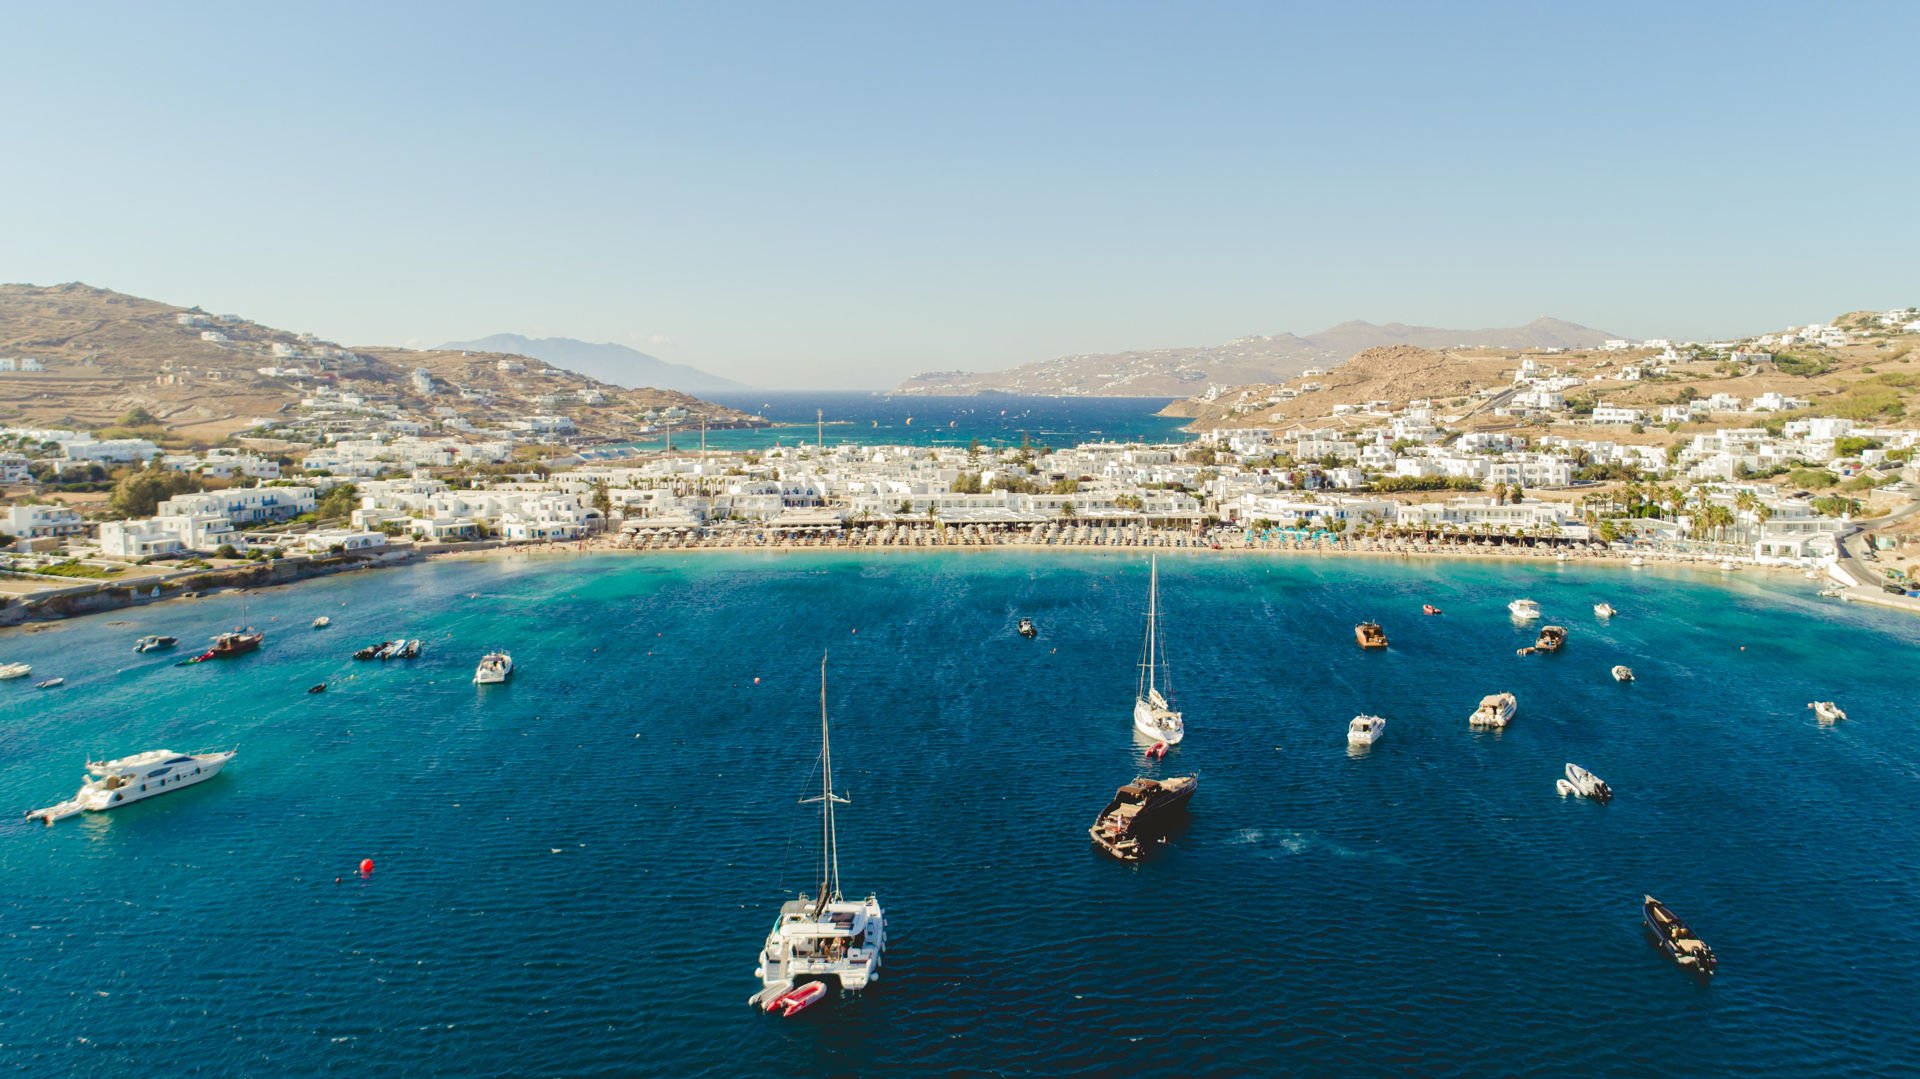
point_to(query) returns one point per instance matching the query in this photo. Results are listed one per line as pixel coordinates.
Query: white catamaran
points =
(823, 938)
(1153, 716)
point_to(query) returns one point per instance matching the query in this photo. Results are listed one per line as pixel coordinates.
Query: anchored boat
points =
(824, 937)
(1588, 785)
(494, 668)
(1496, 710)
(1677, 939)
(1027, 630)
(1153, 715)
(1370, 635)
(1827, 711)
(154, 643)
(1622, 673)
(112, 784)
(1139, 811)
(1365, 730)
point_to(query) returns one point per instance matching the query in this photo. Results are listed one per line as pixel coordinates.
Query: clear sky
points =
(841, 195)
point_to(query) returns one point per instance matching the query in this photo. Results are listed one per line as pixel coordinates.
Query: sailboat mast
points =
(829, 852)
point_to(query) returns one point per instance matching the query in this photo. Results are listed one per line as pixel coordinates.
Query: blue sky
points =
(841, 195)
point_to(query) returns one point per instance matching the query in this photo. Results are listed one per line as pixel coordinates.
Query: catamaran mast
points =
(829, 839)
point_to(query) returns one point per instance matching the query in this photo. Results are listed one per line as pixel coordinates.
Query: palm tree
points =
(1744, 502)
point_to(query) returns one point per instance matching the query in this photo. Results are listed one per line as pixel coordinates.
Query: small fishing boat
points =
(237, 643)
(1827, 711)
(494, 668)
(15, 670)
(1428, 608)
(322, 622)
(1604, 609)
(154, 643)
(1622, 673)
(1524, 609)
(1027, 630)
(1677, 938)
(1496, 710)
(320, 688)
(1365, 730)
(1370, 635)
(1589, 785)
(1139, 811)
(50, 683)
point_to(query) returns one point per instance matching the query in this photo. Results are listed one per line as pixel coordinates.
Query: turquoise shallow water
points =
(555, 895)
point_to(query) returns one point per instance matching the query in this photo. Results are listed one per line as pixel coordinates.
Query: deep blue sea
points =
(875, 418)
(574, 871)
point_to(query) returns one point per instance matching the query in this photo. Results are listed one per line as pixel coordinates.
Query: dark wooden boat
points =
(1370, 635)
(1550, 639)
(1678, 939)
(237, 643)
(1139, 811)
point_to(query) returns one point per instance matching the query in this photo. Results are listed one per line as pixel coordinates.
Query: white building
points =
(38, 522)
(1617, 416)
(146, 537)
(248, 505)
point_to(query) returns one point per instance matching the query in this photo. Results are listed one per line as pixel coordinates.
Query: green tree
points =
(139, 417)
(139, 493)
(341, 501)
(1066, 486)
(602, 500)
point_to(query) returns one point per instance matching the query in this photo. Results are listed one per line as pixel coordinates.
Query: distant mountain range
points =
(617, 364)
(1181, 372)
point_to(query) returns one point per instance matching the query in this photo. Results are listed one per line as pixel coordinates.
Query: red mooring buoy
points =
(366, 867)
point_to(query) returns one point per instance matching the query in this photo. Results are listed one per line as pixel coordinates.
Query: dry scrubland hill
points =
(1875, 381)
(108, 353)
(1180, 371)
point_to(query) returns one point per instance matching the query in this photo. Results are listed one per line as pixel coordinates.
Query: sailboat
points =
(1152, 715)
(825, 937)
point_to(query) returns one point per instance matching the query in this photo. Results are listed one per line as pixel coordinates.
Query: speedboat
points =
(1370, 635)
(1153, 715)
(322, 622)
(1588, 785)
(1365, 730)
(1496, 710)
(1027, 630)
(154, 643)
(1524, 609)
(1550, 639)
(1622, 673)
(15, 670)
(111, 784)
(50, 683)
(825, 937)
(1139, 811)
(1428, 608)
(1827, 711)
(1604, 609)
(494, 668)
(1677, 938)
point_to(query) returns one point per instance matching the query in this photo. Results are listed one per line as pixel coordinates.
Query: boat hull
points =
(1154, 723)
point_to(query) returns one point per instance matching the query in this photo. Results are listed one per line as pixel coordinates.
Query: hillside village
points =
(1771, 450)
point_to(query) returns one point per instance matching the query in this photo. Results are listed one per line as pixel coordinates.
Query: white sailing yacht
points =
(1153, 716)
(824, 937)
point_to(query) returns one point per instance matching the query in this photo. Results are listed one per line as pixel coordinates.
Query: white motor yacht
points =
(494, 668)
(1827, 711)
(112, 784)
(1524, 609)
(1496, 710)
(15, 670)
(1365, 730)
(824, 937)
(1604, 609)
(1153, 715)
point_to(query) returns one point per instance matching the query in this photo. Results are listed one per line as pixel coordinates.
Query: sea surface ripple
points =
(574, 870)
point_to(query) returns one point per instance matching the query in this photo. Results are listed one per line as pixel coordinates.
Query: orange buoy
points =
(366, 866)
